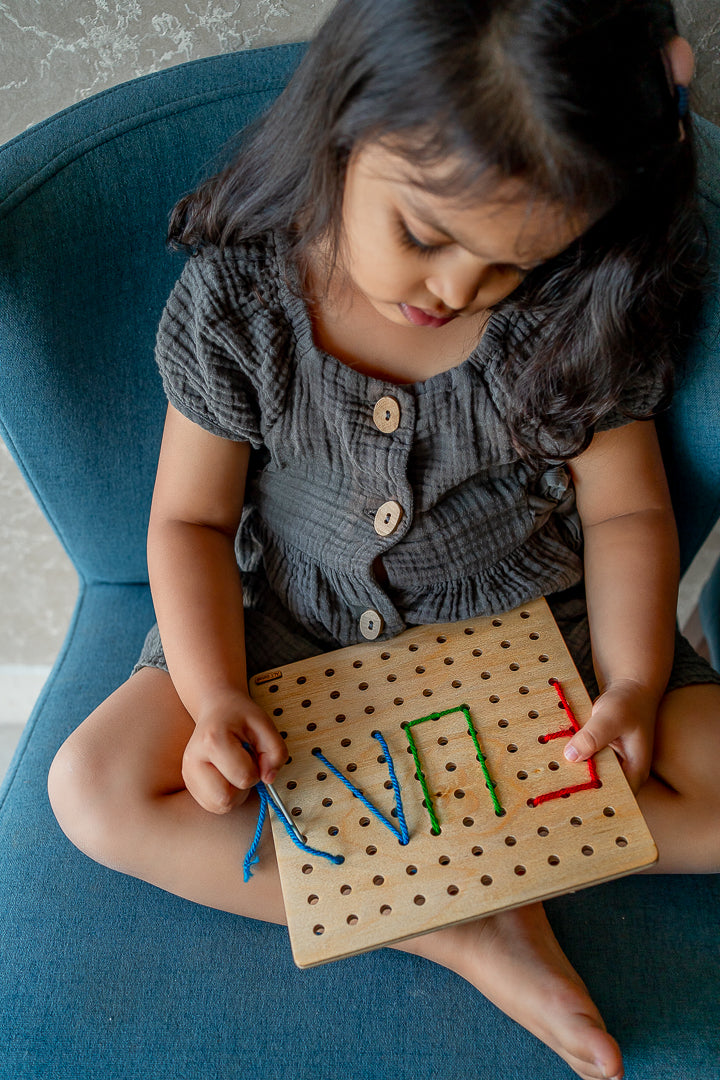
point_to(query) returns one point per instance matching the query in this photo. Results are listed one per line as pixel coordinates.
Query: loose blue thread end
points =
(252, 858)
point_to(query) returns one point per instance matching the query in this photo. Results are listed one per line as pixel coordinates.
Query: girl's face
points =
(423, 260)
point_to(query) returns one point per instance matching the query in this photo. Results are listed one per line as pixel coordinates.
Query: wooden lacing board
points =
(528, 843)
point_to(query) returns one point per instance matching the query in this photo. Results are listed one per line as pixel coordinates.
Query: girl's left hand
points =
(623, 717)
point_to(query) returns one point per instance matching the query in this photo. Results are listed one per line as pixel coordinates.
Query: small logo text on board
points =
(267, 676)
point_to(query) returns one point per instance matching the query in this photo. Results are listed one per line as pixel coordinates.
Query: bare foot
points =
(515, 960)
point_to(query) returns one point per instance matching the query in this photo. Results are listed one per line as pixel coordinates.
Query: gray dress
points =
(345, 468)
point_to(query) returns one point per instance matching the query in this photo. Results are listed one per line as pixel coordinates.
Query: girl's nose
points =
(462, 287)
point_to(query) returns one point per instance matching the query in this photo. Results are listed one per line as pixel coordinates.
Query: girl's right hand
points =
(217, 769)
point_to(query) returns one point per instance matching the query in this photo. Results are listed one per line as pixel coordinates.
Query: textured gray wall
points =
(56, 52)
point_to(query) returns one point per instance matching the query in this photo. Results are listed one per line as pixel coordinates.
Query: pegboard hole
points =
(412, 648)
(345, 890)
(311, 727)
(427, 693)
(587, 850)
(543, 831)
(449, 660)
(533, 714)
(514, 667)
(486, 880)
(477, 652)
(512, 748)
(357, 663)
(385, 656)
(307, 869)
(441, 639)
(385, 909)
(434, 831)
(553, 860)
(621, 841)
(296, 811)
(477, 850)
(511, 841)
(327, 802)
(459, 794)
(469, 631)
(318, 930)
(609, 811)
(468, 822)
(333, 830)
(322, 776)
(451, 766)
(456, 684)
(279, 712)
(352, 920)
(273, 689)
(520, 870)
(364, 822)
(313, 899)
(391, 677)
(524, 614)
(362, 686)
(330, 672)
(501, 812)
(346, 742)
(301, 680)
(523, 690)
(291, 784)
(444, 860)
(369, 710)
(543, 658)
(398, 701)
(576, 821)
(334, 694)
(388, 783)
(553, 766)
(497, 622)
(485, 675)
(504, 644)
(452, 890)
(378, 880)
(419, 670)
(419, 900)
(371, 850)
(534, 636)
(493, 699)
(411, 870)
(340, 718)
(522, 775)
(503, 723)
(442, 741)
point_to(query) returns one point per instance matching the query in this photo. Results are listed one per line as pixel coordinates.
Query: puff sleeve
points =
(210, 365)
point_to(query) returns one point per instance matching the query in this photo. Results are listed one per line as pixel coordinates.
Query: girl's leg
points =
(681, 799)
(117, 790)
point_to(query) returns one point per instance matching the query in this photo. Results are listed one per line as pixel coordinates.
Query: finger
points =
(268, 746)
(599, 731)
(635, 759)
(210, 789)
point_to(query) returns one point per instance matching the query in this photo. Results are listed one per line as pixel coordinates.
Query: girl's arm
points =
(632, 572)
(197, 592)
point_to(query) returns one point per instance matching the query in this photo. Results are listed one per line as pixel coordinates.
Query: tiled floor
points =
(19, 688)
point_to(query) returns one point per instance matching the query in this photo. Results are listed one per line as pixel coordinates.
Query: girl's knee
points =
(80, 789)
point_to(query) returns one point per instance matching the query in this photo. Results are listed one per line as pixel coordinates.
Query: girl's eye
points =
(408, 240)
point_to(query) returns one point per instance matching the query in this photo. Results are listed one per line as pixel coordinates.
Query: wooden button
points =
(388, 518)
(371, 624)
(386, 415)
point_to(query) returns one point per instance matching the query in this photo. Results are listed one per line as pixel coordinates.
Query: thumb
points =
(597, 733)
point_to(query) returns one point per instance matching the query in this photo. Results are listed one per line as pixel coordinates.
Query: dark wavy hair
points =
(575, 98)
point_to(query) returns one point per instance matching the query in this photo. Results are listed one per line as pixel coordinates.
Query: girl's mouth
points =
(418, 317)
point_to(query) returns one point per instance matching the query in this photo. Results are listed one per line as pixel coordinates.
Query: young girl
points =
(445, 277)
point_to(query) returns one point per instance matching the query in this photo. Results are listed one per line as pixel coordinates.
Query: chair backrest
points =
(84, 274)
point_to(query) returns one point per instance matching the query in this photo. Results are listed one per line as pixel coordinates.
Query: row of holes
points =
(510, 841)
